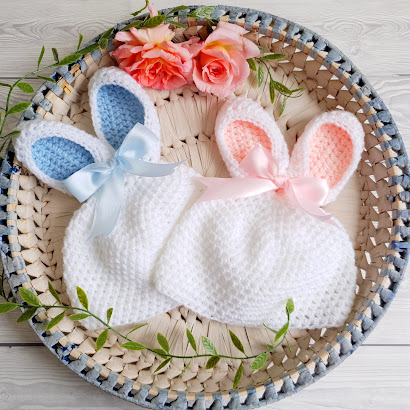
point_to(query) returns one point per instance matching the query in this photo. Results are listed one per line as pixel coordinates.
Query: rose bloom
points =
(220, 64)
(153, 59)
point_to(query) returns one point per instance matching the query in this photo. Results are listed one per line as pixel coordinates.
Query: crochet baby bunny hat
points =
(237, 260)
(114, 271)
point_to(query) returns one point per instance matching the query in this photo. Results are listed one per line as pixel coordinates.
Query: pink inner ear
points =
(242, 136)
(330, 153)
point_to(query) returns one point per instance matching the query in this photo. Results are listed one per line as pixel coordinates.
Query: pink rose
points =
(220, 64)
(149, 55)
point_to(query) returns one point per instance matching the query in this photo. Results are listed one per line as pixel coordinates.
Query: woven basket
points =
(373, 208)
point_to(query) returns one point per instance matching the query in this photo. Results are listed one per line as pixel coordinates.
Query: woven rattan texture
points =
(34, 219)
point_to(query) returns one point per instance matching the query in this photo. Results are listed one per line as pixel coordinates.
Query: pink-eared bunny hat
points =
(238, 260)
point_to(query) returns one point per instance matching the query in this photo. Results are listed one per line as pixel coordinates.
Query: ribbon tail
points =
(232, 188)
(108, 206)
(307, 205)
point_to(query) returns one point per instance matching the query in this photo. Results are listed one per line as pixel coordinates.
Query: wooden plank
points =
(31, 377)
(363, 30)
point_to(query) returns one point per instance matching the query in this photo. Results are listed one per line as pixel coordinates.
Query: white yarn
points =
(237, 109)
(117, 271)
(118, 77)
(237, 261)
(33, 131)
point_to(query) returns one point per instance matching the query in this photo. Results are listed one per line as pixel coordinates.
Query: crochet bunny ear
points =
(329, 148)
(53, 151)
(117, 103)
(240, 125)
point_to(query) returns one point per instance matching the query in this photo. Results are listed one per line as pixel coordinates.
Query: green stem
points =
(168, 355)
(15, 85)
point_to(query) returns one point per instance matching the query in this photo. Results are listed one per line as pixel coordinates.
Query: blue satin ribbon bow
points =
(106, 181)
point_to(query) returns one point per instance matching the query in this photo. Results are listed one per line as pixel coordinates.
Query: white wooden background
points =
(375, 34)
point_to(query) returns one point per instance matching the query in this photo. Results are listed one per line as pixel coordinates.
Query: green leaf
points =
(163, 342)
(154, 21)
(176, 9)
(133, 346)
(290, 306)
(19, 107)
(27, 315)
(259, 361)
(176, 24)
(271, 91)
(54, 292)
(251, 63)
(191, 339)
(282, 107)
(238, 376)
(101, 339)
(261, 49)
(103, 43)
(160, 353)
(136, 24)
(202, 12)
(270, 347)
(8, 307)
(163, 364)
(46, 78)
(260, 75)
(78, 316)
(80, 40)
(212, 362)
(55, 321)
(236, 342)
(109, 314)
(72, 58)
(5, 85)
(140, 11)
(209, 346)
(107, 33)
(82, 297)
(136, 328)
(12, 134)
(40, 57)
(88, 49)
(29, 297)
(282, 331)
(55, 54)
(273, 56)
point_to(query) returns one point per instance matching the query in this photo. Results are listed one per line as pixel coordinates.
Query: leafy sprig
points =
(8, 110)
(151, 22)
(31, 304)
(256, 64)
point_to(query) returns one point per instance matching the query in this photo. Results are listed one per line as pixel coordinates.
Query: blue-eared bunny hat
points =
(114, 271)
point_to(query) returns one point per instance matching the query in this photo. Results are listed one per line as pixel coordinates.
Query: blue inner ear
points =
(119, 110)
(59, 157)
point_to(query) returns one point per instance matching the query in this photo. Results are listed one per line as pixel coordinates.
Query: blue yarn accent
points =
(119, 110)
(59, 157)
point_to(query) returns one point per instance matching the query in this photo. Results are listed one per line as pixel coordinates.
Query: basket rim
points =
(249, 396)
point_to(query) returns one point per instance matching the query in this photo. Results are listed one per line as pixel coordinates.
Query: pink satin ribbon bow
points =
(262, 170)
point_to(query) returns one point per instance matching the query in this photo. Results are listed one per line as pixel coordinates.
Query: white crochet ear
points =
(117, 103)
(240, 125)
(53, 151)
(330, 148)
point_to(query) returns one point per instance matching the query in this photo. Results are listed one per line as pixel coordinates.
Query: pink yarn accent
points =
(242, 136)
(330, 153)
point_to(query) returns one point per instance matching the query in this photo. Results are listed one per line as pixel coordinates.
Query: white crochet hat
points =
(238, 260)
(114, 271)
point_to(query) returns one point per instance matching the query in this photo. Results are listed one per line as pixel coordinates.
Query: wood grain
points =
(376, 36)
(56, 387)
(356, 28)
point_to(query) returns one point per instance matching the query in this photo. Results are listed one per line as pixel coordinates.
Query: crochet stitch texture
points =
(238, 260)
